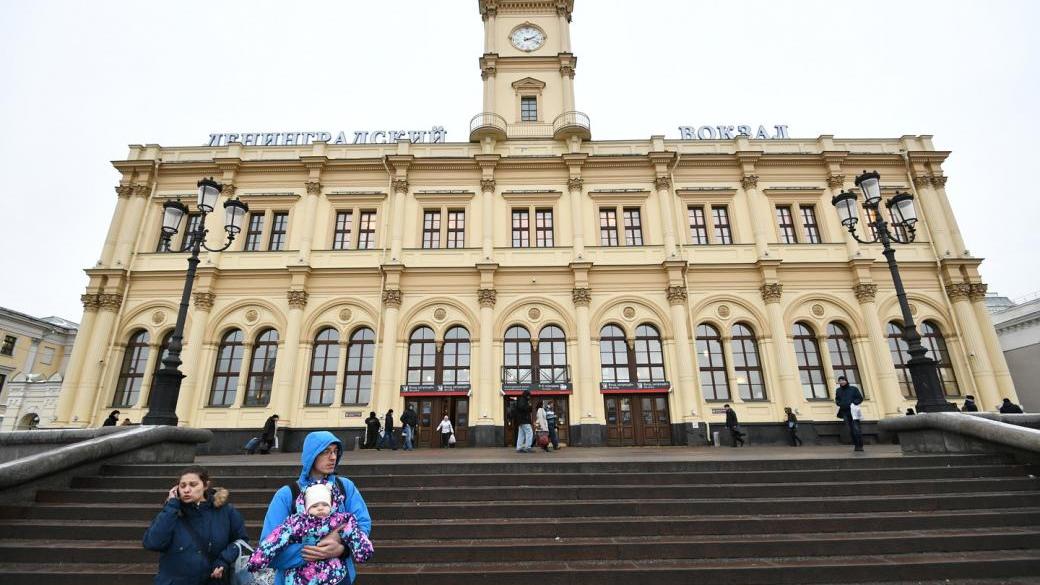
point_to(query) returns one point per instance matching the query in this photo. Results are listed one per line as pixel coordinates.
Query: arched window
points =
(357, 383)
(552, 355)
(321, 389)
(932, 338)
(900, 353)
(712, 363)
(843, 356)
(226, 371)
(261, 369)
(807, 351)
(649, 355)
(131, 373)
(164, 350)
(422, 357)
(455, 356)
(613, 354)
(751, 383)
(517, 353)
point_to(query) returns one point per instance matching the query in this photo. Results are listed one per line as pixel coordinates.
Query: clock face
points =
(527, 38)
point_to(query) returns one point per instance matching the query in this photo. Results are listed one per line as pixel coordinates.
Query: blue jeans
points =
(524, 437)
(553, 438)
(407, 433)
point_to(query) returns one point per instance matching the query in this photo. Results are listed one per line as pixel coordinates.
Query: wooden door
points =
(621, 431)
(424, 409)
(654, 420)
(460, 420)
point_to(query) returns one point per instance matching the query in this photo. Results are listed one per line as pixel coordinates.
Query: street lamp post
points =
(923, 370)
(166, 385)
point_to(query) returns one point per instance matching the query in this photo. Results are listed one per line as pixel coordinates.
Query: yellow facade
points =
(669, 281)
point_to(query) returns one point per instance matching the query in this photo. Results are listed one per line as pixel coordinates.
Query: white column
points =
(87, 386)
(761, 215)
(588, 403)
(114, 229)
(74, 368)
(306, 219)
(30, 358)
(131, 223)
(664, 198)
(790, 387)
(482, 401)
(1005, 384)
(934, 217)
(487, 218)
(685, 388)
(574, 187)
(385, 393)
(886, 392)
(397, 224)
(978, 355)
(191, 356)
(286, 399)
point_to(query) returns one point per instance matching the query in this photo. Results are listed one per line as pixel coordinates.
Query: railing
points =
(488, 123)
(572, 123)
(530, 130)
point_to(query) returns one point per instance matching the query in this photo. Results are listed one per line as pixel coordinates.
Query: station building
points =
(637, 284)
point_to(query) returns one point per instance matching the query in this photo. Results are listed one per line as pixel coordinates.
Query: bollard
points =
(357, 443)
(715, 437)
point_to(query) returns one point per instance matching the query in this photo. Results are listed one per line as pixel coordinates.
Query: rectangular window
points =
(341, 237)
(812, 230)
(529, 109)
(48, 356)
(254, 233)
(456, 228)
(431, 231)
(8, 347)
(720, 215)
(279, 225)
(366, 230)
(608, 235)
(786, 224)
(543, 227)
(633, 227)
(521, 228)
(698, 229)
(190, 229)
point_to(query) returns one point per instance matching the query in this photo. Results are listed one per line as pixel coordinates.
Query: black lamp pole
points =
(924, 371)
(166, 384)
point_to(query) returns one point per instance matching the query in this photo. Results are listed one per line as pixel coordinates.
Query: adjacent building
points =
(33, 356)
(638, 285)
(1018, 328)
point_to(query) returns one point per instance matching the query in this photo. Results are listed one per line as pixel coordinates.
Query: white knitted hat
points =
(318, 492)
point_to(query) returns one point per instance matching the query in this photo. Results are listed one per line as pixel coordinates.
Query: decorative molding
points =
(939, 181)
(488, 71)
(392, 298)
(530, 196)
(124, 191)
(865, 292)
(487, 297)
(958, 291)
(582, 297)
(110, 302)
(487, 185)
(90, 302)
(922, 181)
(978, 291)
(567, 71)
(676, 294)
(575, 184)
(141, 190)
(836, 181)
(749, 181)
(313, 188)
(400, 185)
(771, 293)
(204, 300)
(297, 298)
(229, 190)
(662, 183)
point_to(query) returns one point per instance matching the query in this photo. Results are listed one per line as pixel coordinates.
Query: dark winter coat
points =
(388, 424)
(410, 418)
(791, 418)
(111, 421)
(970, 406)
(270, 427)
(1010, 408)
(218, 524)
(522, 411)
(731, 419)
(845, 396)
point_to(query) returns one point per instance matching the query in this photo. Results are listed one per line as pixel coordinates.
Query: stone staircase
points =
(941, 519)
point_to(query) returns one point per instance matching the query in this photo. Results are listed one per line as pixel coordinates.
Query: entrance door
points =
(560, 404)
(637, 420)
(431, 411)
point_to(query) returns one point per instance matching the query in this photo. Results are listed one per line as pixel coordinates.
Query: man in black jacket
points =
(372, 428)
(734, 426)
(1009, 407)
(845, 396)
(524, 432)
(268, 435)
(409, 422)
(969, 404)
(388, 432)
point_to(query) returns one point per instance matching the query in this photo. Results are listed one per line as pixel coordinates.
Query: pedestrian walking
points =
(372, 430)
(792, 427)
(522, 413)
(267, 437)
(446, 431)
(848, 398)
(388, 432)
(550, 417)
(112, 420)
(1008, 407)
(541, 426)
(321, 454)
(969, 404)
(409, 423)
(195, 532)
(733, 425)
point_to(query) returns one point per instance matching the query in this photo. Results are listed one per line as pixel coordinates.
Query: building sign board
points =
(622, 387)
(435, 389)
(298, 138)
(557, 388)
(729, 132)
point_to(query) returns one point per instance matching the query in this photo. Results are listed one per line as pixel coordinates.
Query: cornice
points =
(807, 191)
(448, 196)
(365, 196)
(517, 196)
(701, 192)
(928, 156)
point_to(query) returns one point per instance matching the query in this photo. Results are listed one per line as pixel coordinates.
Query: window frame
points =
(132, 370)
(698, 229)
(456, 344)
(933, 339)
(9, 344)
(803, 342)
(608, 234)
(722, 231)
(708, 369)
(427, 347)
(843, 360)
(633, 223)
(523, 231)
(278, 238)
(254, 233)
(786, 232)
(431, 228)
(545, 236)
(362, 340)
(529, 114)
(262, 363)
(456, 228)
(324, 352)
(810, 229)
(742, 342)
(235, 351)
(614, 366)
(368, 220)
(343, 231)
(514, 361)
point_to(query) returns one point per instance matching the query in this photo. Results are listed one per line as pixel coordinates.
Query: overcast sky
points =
(82, 80)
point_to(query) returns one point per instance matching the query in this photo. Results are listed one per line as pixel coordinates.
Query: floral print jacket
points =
(309, 530)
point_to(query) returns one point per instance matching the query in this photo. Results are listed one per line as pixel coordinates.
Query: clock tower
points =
(528, 73)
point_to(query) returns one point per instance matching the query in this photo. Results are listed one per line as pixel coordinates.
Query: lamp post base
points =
(162, 406)
(930, 395)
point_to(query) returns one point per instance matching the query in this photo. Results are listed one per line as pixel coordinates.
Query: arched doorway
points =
(28, 422)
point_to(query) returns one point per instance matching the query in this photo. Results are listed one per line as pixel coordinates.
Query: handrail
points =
(573, 118)
(485, 120)
(1003, 429)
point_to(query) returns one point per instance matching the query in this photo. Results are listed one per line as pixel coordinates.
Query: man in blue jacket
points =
(321, 454)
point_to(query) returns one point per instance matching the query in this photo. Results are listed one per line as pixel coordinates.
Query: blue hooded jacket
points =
(281, 506)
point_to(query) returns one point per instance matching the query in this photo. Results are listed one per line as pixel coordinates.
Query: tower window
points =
(529, 109)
